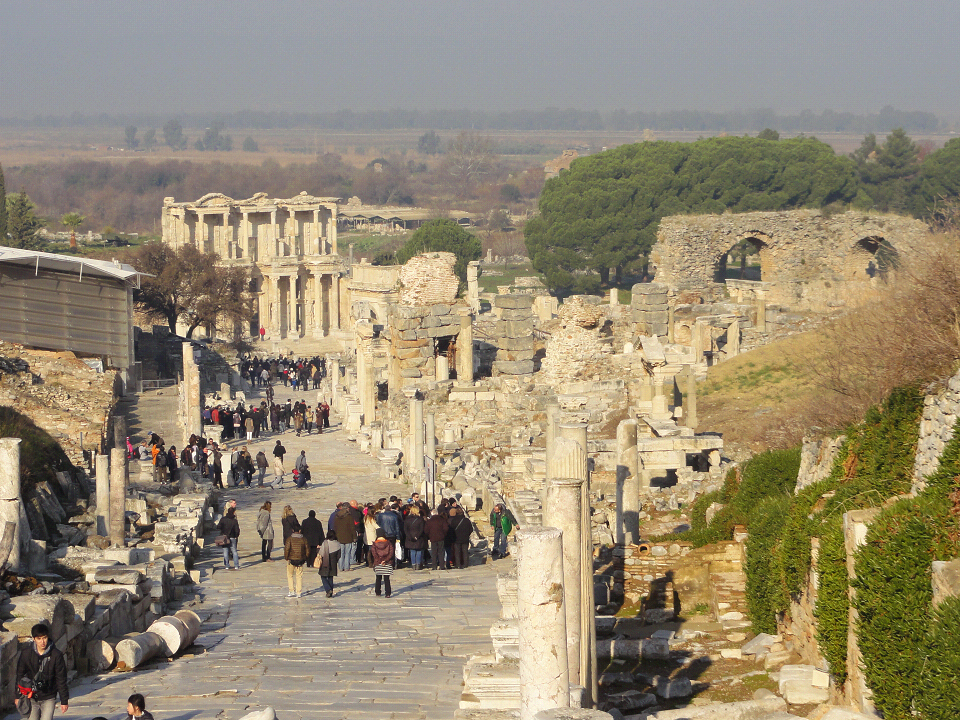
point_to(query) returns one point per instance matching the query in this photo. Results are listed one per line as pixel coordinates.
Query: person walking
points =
(45, 668)
(265, 528)
(302, 469)
(312, 531)
(415, 541)
(383, 557)
(230, 526)
(248, 427)
(330, 552)
(461, 528)
(325, 414)
(346, 530)
(278, 452)
(295, 553)
(502, 523)
(261, 467)
(436, 527)
(288, 521)
(216, 466)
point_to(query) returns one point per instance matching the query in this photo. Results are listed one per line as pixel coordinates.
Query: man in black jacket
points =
(312, 531)
(44, 667)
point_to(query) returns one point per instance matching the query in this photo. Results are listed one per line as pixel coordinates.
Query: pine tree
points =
(23, 224)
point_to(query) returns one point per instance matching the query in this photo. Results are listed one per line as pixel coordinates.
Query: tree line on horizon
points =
(546, 119)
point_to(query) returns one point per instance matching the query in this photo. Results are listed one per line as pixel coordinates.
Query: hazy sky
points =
(61, 56)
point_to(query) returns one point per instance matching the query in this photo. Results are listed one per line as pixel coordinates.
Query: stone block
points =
(83, 605)
(649, 289)
(521, 367)
(409, 311)
(118, 574)
(667, 688)
(524, 343)
(516, 328)
(440, 309)
(410, 373)
(442, 331)
(459, 396)
(514, 301)
(515, 355)
(800, 692)
(760, 644)
(514, 314)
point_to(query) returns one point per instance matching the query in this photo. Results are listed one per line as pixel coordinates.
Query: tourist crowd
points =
(382, 536)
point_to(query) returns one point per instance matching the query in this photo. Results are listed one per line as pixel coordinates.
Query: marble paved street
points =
(352, 656)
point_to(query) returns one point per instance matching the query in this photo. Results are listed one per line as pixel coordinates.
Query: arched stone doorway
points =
(870, 257)
(749, 248)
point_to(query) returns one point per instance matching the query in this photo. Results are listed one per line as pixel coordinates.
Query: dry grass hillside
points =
(820, 381)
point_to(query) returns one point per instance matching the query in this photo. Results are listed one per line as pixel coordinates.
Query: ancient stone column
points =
(430, 431)
(431, 436)
(614, 297)
(10, 498)
(335, 296)
(415, 464)
(690, 402)
(368, 388)
(318, 304)
(561, 509)
(193, 419)
(443, 368)
(103, 495)
(628, 484)
(334, 370)
(473, 287)
(118, 497)
(120, 431)
(588, 626)
(465, 347)
(553, 412)
(332, 231)
(544, 679)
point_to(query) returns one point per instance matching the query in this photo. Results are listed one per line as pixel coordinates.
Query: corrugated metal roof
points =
(71, 264)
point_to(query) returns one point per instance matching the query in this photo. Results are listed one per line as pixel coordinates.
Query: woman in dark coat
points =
(230, 527)
(415, 538)
(461, 529)
(330, 557)
(289, 522)
(436, 528)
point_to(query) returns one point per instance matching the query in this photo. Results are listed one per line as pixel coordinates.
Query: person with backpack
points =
(383, 554)
(329, 553)
(502, 523)
(295, 552)
(42, 675)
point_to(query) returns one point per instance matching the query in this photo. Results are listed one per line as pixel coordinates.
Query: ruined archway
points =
(747, 256)
(870, 257)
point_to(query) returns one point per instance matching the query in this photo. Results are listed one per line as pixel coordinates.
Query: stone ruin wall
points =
(61, 394)
(809, 260)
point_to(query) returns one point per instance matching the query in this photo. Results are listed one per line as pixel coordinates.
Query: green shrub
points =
(766, 594)
(937, 697)
(892, 599)
(833, 603)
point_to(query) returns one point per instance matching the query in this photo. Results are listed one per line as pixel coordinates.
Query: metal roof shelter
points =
(405, 217)
(60, 302)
